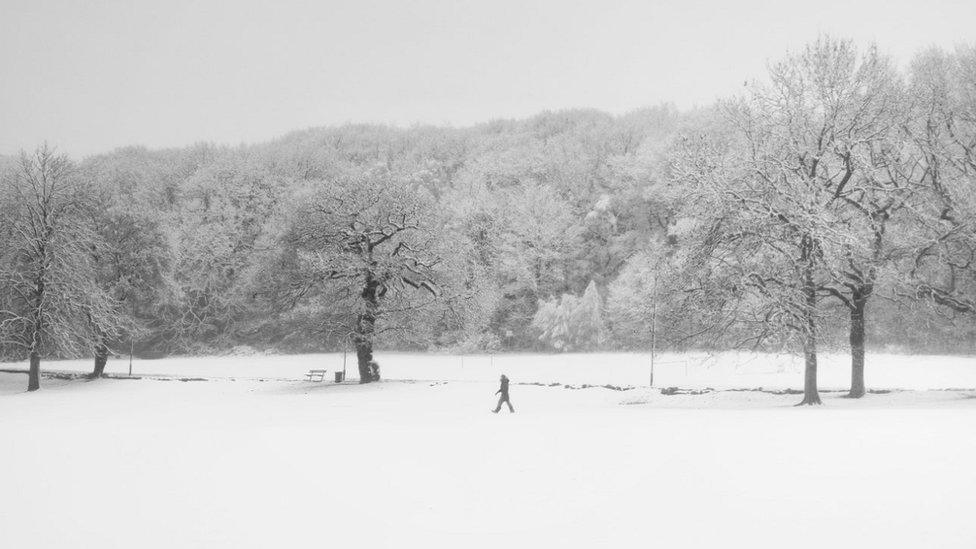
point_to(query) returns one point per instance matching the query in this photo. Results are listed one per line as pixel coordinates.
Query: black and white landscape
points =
(266, 270)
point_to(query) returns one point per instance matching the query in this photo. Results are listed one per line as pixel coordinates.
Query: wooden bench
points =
(315, 375)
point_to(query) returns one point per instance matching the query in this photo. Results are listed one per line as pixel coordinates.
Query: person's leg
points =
(510, 409)
(499, 407)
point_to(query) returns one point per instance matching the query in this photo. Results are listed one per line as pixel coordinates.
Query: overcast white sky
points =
(89, 76)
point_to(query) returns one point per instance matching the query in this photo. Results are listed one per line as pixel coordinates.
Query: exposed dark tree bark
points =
(34, 374)
(946, 298)
(859, 301)
(101, 359)
(811, 394)
(366, 329)
(860, 287)
(36, 333)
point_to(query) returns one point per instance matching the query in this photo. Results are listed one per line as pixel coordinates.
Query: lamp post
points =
(653, 327)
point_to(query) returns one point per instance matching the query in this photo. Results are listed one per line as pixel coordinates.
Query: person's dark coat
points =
(503, 399)
(504, 389)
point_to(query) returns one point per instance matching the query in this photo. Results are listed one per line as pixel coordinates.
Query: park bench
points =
(315, 375)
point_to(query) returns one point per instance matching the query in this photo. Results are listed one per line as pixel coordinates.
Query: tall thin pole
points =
(131, 347)
(653, 328)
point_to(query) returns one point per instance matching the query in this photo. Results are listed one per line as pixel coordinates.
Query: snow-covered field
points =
(419, 461)
(691, 370)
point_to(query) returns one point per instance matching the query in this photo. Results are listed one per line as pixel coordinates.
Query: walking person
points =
(503, 390)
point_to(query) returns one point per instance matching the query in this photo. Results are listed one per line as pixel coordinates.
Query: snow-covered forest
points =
(482, 274)
(831, 204)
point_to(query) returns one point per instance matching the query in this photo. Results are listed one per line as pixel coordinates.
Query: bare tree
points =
(854, 110)
(52, 303)
(759, 238)
(943, 265)
(131, 260)
(792, 187)
(367, 243)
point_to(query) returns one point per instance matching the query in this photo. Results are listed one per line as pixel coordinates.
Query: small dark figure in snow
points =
(504, 398)
(374, 370)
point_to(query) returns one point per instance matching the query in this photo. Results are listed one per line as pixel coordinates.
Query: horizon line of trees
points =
(832, 204)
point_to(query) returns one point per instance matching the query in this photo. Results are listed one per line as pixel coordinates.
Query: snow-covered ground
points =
(691, 370)
(281, 463)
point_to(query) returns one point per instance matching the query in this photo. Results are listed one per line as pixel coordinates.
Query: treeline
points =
(768, 220)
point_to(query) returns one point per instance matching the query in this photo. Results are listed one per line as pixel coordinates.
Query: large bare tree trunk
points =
(34, 374)
(364, 355)
(365, 329)
(859, 304)
(101, 358)
(811, 395)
